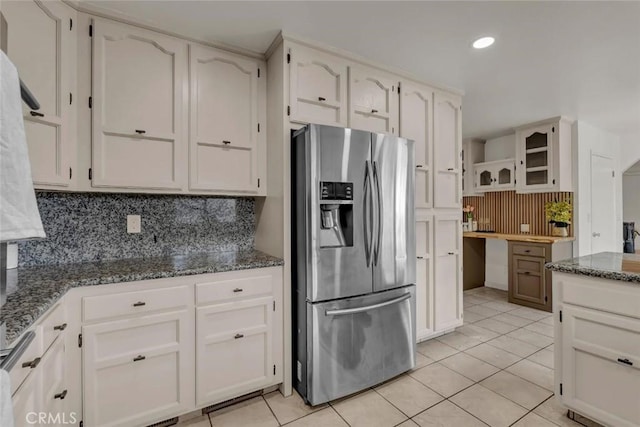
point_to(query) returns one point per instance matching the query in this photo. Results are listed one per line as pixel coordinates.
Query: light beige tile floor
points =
(496, 370)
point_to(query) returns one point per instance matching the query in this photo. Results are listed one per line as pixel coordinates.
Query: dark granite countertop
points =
(33, 290)
(606, 265)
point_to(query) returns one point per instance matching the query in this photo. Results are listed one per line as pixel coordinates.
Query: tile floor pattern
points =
(496, 370)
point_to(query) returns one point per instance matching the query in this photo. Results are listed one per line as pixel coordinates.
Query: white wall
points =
(501, 148)
(630, 149)
(497, 264)
(590, 140)
(631, 199)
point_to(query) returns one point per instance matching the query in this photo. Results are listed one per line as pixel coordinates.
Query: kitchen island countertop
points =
(605, 265)
(31, 291)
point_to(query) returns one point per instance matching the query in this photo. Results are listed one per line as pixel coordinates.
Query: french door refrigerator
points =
(353, 254)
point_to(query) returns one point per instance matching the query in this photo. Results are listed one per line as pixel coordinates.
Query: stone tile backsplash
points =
(93, 226)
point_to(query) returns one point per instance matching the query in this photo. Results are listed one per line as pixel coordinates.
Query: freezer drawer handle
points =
(368, 307)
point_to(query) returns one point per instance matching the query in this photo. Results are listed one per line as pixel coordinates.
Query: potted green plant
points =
(559, 214)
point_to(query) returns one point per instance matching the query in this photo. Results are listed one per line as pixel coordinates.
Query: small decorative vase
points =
(560, 231)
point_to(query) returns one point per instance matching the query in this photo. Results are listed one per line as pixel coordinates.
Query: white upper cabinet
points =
(139, 103)
(448, 272)
(224, 121)
(447, 151)
(373, 100)
(41, 42)
(472, 153)
(317, 87)
(495, 176)
(416, 123)
(543, 156)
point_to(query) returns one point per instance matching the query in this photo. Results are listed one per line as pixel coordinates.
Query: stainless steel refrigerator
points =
(353, 249)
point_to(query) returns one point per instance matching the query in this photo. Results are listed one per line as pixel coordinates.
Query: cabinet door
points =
(448, 273)
(41, 44)
(484, 177)
(27, 400)
(373, 101)
(416, 123)
(424, 281)
(528, 282)
(447, 156)
(535, 153)
(138, 107)
(317, 87)
(505, 175)
(136, 371)
(601, 365)
(224, 121)
(233, 349)
(54, 387)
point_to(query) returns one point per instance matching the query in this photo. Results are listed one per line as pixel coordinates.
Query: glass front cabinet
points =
(498, 175)
(543, 156)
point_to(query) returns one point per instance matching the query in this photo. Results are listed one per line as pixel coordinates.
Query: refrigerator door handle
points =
(367, 213)
(377, 216)
(368, 307)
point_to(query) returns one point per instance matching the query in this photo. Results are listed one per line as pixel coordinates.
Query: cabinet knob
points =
(450, 253)
(374, 111)
(420, 257)
(625, 361)
(595, 234)
(237, 290)
(238, 336)
(61, 396)
(60, 327)
(35, 362)
(526, 273)
(320, 98)
(419, 166)
(225, 142)
(36, 114)
(139, 358)
(139, 304)
(140, 131)
(449, 169)
(527, 251)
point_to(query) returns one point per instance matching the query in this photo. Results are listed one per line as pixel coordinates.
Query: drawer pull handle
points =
(420, 257)
(139, 304)
(139, 358)
(236, 290)
(374, 111)
(226, 142)
(527, 273)
(36, 114)
(35, 362)
(60, 327)
(321, 98)
(237, 336)
(419, 166)
(61, 396)
(625, 361)
(450, 253)
(140, 131)
(449, 169)
(527, 251)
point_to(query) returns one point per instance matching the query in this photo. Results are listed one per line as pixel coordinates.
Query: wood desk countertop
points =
(517, 237)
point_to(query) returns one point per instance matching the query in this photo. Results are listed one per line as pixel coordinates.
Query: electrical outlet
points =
(524, 228)
(133, 224)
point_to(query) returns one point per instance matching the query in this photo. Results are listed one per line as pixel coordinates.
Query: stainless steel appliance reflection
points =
(354, 260)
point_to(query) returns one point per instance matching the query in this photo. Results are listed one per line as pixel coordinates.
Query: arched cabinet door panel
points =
(41, 42)
(373, 100)
(224, 121)
(138, 108)
(447, 151)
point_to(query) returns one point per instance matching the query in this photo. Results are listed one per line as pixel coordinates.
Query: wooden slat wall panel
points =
(506, 210)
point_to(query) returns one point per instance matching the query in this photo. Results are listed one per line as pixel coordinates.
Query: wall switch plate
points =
(133, 224)
(524, 228)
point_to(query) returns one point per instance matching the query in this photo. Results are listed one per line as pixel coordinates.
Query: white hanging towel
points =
(19, 215)
(6, 406)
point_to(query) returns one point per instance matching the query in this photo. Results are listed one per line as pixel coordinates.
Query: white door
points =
(233, 349)
(448, 273)
(416, 123)
(41, 42)
(604, 235)
(373, 101)
(137, 371)
(447, 152)
(424, 281)
(317, 87)
(139, 101)
(224, 121)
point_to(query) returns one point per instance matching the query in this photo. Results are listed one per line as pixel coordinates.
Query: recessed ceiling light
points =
(483, 42)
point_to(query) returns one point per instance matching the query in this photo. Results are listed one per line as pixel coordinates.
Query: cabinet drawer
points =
(530, 250)
(232, 288)
(53, 325)
(129, 303)
(529, 265)
(614, 296)
(33, 353)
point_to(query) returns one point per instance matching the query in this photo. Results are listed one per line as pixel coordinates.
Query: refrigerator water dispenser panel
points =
(336, 190)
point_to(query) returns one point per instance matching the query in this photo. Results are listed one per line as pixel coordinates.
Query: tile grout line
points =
(271, 410)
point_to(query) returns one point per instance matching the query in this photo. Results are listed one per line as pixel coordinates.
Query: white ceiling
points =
(579, 59)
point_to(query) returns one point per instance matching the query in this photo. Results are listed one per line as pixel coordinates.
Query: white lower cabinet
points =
(27, 399)
(136, 370)
(54, 387)
(448, 273)
(424, 280)
(233, 349)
